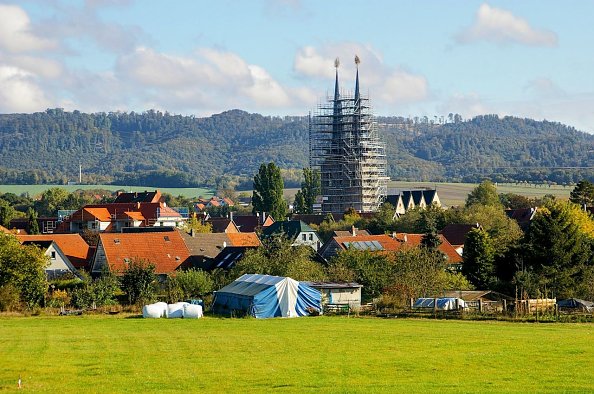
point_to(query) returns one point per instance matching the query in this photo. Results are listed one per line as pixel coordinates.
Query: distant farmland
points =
(450, 193)
(33, 190)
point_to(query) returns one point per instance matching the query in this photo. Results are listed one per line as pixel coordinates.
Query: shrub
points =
(138, 282)
(9, 298)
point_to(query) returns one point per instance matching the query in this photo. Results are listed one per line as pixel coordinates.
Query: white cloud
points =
(208, 77)
(501, 26)
(19, 91)
(387, 84)
(16, 35)
(544, 88)
(466, 104)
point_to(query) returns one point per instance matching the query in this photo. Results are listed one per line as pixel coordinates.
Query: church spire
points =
(336, 89)
(357, 61)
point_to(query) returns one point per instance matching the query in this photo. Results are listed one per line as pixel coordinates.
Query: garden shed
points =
(264, 296)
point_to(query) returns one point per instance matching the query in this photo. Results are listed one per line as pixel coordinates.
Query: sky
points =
(530, 58)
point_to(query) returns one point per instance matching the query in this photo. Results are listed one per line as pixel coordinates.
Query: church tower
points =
(346, 149)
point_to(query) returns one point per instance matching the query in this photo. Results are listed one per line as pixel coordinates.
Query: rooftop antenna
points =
(336, 62)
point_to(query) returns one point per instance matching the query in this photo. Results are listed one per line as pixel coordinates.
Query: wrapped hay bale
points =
(176, 311)
(152, 311)
(163, 306)
(192, 311)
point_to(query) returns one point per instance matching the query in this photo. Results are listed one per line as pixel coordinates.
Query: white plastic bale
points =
(163, 306)
(152, 311)
(176, 311)
(192, 311)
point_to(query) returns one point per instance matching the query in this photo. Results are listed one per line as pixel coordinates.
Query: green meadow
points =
(320, 354)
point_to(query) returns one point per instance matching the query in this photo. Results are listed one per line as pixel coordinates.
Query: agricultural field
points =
(451, 194)
(320, 354)
(34, 190)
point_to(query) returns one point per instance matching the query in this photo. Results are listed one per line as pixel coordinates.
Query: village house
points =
(222, 225)
(218, 250)
(296, 231)
(456, 235)
(129, 210)
(72, 248)
(252, 223)
(47, 225)
(165, 249)
(59, 264)
(405, 200)
(387, 243)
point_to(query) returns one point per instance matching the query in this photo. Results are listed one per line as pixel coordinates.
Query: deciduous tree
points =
(268, 192)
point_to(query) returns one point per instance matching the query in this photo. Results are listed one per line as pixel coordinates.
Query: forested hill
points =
(157, 149)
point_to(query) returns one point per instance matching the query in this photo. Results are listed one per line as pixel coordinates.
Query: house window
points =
(94, 225)
(311, 237)
(304, 237)
(53, 255)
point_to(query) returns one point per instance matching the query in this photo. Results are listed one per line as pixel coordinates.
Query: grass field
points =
(323, 354)
(34, 190)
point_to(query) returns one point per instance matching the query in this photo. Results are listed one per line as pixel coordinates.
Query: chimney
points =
(192, 233)
(231, 215)
(263, 218)
(224, 244)
(353, 231)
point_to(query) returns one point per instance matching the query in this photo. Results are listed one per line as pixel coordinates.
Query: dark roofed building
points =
(456, 234)
(222, 225)
(139, 197)
(296, 231)
(522, 215)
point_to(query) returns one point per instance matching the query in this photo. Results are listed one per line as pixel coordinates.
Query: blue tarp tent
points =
(264, 296)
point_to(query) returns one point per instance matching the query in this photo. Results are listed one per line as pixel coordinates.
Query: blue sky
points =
(522, 58)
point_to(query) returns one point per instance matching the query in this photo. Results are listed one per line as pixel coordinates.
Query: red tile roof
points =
(445, 247)
(388, 243)
(101, 214)
(73, 245)
(166, 250)
(244, 239)
(398, 241)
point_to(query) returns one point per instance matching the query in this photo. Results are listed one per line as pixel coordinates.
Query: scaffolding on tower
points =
(345, 147)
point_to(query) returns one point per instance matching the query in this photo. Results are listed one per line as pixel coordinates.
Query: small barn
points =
(339, 293)
(264, 296)
(575, 305)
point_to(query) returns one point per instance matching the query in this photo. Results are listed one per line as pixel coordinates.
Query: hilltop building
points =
(345, 147)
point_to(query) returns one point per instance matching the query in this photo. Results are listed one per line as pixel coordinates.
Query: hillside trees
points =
(268, 192)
